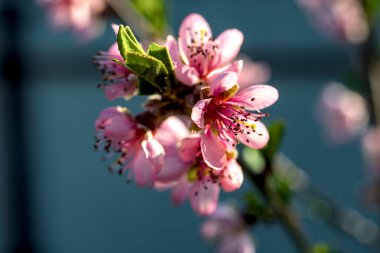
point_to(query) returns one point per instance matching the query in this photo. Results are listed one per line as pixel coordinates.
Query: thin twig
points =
(344, 219)
(285, 212)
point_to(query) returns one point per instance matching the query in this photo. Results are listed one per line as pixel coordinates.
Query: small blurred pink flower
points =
(344, 20)
(253, 73)
(342, 112)
(197, 56)
(81, 15)
(227, 226)
(371, 150)
(118, 80)
(225, 119)
(137, 148)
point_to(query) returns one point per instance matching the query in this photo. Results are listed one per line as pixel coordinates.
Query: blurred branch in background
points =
(318, 207)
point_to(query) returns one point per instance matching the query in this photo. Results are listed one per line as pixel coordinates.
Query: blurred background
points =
(56, 194)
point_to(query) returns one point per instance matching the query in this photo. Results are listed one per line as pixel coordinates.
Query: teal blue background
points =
(78, 206)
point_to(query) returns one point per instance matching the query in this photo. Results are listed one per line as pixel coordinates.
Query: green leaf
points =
(161, 53)
(254, 159)
(127, 42)
(276, 132)
(149, 68)
(154, 12)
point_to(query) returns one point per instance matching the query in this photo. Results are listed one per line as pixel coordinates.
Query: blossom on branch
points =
(197, 56)
(195, 114)
(136, 148)
(229, 116)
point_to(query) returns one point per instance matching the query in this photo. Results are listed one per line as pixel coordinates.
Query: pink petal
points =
(119, 128)
(114, 50)
(172, 169)
(184, 73)
(191, 28)
(256, 97)
(161, 186)
(115, 28)
(257, 139)
(199, 109)
(189, 147)
(105, 115)
(154, 152)
(143, 171)
(213, 150)
(117, 124)
(233, 176)
(187, 75)
(204, 197)
(118, 90)
(223, 82)
(172, 46)
(229, 42)
(236, 67)
(171, 131)
(180, 192)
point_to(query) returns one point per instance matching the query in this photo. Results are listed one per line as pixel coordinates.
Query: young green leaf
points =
(149, 68)
(127, 42)
(161, 53)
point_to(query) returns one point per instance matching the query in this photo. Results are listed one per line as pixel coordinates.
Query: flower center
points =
(201, 50)
(230, 119)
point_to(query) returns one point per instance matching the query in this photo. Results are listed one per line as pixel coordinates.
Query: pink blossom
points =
(342, 112)
(118, 80)
(81, 15)
(116, 124)
(225, 118)
(227, 226)
(136, 148)
(344, 20)
(197, 56)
